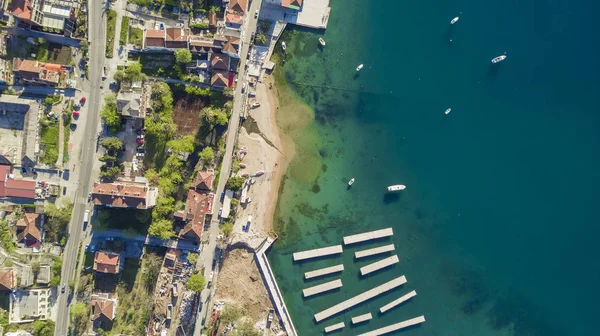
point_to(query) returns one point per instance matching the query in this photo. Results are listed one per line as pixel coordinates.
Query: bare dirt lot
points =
(186, 114)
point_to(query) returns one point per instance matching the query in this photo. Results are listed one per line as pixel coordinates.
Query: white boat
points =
(454, 20)
(322, 42)
(255, 105)
(351, 182)
(359, 67)
(283, 45)
(396, 187)
(499, 59)
(448, 111)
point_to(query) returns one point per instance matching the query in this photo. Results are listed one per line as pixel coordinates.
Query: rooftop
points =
(103, 308)
(204, 181)
(239, 6)
(197, 206)
(106, 262)
(7, 279)
(123, 195)
(220, 78)
(220, 62)
(29, 229)
(129, 103)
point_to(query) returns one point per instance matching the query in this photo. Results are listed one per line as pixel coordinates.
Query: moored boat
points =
(322, 42)
(359, 67)
(454, 20)
(396, 187)
(499, 59)
(351, 182)
(448, 111)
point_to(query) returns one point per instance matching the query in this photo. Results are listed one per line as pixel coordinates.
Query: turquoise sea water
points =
(497, 230)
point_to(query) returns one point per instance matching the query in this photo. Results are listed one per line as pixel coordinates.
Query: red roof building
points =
(106, 262)
(29, 230)
(198, 205)
(219, 79)
(123, 195)
(177, 38)
(155, 38)
(37, 72)
(15, 188)
(220, 62)
(204, 181)
(239, 6)
(7, 279)
(294, 4)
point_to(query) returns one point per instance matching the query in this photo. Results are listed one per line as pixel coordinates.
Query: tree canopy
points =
(261, 39)
(207, 154)
(133, 72)
(43, 328)
(196, 282)
(183, 145)
(112, 143)
(235, 183)
(109, 113)
(183, 56)
(161, 228)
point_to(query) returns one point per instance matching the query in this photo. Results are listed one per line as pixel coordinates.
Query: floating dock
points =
(374, 251)
(320, 252)
(397, 302)
(361, 318)
(331, 285)
(334, 327)
(360, 298)
(324, 271)
(376, 266)
(394, 327)
(361, 237)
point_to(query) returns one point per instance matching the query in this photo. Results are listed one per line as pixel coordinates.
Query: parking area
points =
(133, 143)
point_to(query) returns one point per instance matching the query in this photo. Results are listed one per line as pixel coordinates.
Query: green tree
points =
(110, 173)
(43, 328)
(161, 228)
(58, 217)
(207, 154)
(235, 183)
(35, 268)
(112, 143)
(55, 281)
(109, 113)
(84, 45)
(164, 207)
(261, 39)
(227, 228)
(231, 313)
(228, 92)
(183, 145)
(183, 56)
(196, 282)
(265, 26)
(79, 314)
(134, 72)
(246, 328)
(119, 76)
(220, 118)
(192, 258)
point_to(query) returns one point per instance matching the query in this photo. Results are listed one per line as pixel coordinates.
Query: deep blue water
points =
(497, 228)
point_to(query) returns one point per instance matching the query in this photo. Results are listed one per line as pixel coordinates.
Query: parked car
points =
(256, 14)
(62, 290)
(243, 87)
(252, 93)
(82, 101)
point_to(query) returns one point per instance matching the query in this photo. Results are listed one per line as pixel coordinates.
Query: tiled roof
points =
(155, 38)
(106, 262)
(212, 18)
(103, 308)
(198, 205)
(239, 6)
(201, 46)
(7, 279)
(234, 18)
(119, 195)
(290, 3)
(220, 78)
(232, 45)
(30, 229)
(20, 8)
(220, 62)
(204, 181)
(177, 38)
(19, 188)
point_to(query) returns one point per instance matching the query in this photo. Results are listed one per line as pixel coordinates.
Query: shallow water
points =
(496, 230)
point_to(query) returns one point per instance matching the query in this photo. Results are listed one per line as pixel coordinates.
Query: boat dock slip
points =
(320, 252)
(397, 302)
(322, 288)
(334, 327)
(324, 271)
(361, 318)
(374, 251)
(394, 327)
(360, 298)
(376, 266)
(361, 237)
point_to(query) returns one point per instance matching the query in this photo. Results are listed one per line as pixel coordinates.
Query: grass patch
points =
(135, 292)
(49, 140)
(6, 238)
(42, 52)
(89, 259)
(124, 26)
(111, 24)
(135, 36)
(125, 219)
(67, 134)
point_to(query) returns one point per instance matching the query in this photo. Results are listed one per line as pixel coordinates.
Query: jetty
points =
(324, 271)
(394, 327)
(334, 327)
(361, 318)
(273, 289)
(320, 252)
(360, 298)
(376, 266)
(331, 285)
(397, 302)
(361, 237)
(374, 251)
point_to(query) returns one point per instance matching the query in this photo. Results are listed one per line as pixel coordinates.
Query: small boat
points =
(351, 182)
(359, 67)
(454, 20)
(396, 187)
(242, 165)
(322, 42)
(499, 59)
(283, 46)
(255, 105)
(448, 111)
(259, 173)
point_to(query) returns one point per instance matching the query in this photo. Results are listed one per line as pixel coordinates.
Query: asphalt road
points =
(208, 252)
(97, 32)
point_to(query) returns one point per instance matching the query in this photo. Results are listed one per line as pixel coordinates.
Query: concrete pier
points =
(324, 271)
(397, 302)
(361, 318)
(320, 252)
(371, 293)
(361, 237)
(394, 327)
(271, 284)
(331, 285)
(334, 327)
(374, 251)
(376, 266)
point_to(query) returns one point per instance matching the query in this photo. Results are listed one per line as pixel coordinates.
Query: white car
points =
(256, 14)
(243, 87)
